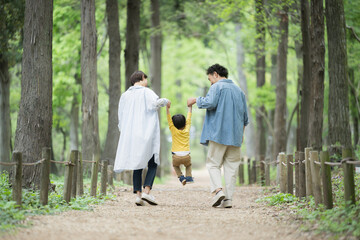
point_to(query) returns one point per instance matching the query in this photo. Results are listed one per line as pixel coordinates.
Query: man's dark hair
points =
(179, 121)
(222, 71)
(137, 76)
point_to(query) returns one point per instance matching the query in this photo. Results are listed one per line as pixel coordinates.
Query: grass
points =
(12, 215)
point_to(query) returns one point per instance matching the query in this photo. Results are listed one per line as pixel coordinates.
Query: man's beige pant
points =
(222, 155)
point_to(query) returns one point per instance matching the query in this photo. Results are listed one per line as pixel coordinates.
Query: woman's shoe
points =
(148, 198)
(139, 202)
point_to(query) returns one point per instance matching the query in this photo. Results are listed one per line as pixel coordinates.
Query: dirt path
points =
(182, 213)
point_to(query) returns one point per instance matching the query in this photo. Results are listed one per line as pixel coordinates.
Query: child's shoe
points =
(189, 179)
(182, 179)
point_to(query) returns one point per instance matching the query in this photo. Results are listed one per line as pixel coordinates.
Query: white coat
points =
(139, 129)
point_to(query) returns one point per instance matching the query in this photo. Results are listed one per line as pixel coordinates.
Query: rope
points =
(283, 164)
(34, 163)
(292, 163)
(8, 163)
(353, 162)
(61, 162)
(318, 163)
(88, 161)
(332, 164)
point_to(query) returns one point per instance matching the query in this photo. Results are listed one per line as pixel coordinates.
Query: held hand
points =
(191, 101)
(168, 104)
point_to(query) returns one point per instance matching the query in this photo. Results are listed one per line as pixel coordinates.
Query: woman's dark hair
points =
(222, 71)
(137, 76)
(179, 121)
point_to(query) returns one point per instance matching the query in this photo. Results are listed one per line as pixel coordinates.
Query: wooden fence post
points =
(45, 176)
(309, 190)
(17, 184)
(349, 184)
(326, 180)
(290, 174)
(262, 170)
(297, 174)
(111, 175)
(282, 160)
(315, 177)
(69, 168)
(302, 176)
(241, 171)
(249, 171)
(267, 172)
(253, 174)
(74, 155)
(79, 175)
(94, 175)
(104, 176)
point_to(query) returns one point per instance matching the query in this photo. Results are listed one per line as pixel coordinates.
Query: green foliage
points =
(342, 220)
(12, 215)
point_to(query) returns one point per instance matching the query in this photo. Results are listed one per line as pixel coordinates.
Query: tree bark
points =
(74, 119)
(5, 125)
(90, 126)
(260, 74)
(113, 134)
(280, 109)
(33, 131)
(353, 107)
(132, 39)
(155, 74)
(305, 85)
(338, 113)
(317, 73)
(240, 58)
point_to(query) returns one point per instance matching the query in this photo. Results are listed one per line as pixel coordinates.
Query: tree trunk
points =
(305, 85)
(74, 124)
(155, 74)
(317, 73)
(250, 129)
(132, 39)
(33, 131)
(112, 137)
(260, 74)
(270, 143)
(338, 113)
(90, 127)
(280, 109)
(353, 107)
(5, 125)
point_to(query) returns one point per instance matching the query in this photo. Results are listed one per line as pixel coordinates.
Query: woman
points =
(139, 143)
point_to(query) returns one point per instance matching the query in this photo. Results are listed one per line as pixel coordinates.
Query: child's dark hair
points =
(137, 76)
(179, 121)
(222, 71)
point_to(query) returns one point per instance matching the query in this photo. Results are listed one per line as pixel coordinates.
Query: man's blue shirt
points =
(226, 114)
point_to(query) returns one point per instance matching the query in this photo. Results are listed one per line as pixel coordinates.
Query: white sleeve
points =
(161, 102)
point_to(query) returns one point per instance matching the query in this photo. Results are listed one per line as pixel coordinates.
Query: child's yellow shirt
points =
(180, 138)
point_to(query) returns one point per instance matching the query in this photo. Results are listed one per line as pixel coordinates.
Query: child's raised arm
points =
(168, 107)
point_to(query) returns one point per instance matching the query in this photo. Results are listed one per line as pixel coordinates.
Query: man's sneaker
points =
(226, 203)
(148, 198)
(218, 198)
(182, 179)
(139, 202)
(189, 180)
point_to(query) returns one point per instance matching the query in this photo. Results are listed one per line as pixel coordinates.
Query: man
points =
(224, 125)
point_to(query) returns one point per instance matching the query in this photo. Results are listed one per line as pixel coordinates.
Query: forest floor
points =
(184, 212)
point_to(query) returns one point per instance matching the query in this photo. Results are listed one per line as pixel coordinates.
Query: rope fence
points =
(73, 175)
(308, 175)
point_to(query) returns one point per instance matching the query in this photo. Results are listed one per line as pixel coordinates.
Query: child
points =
(139, 143)
(180, 132)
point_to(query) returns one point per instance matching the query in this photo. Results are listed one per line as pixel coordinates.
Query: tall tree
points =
(317, 73)
(155, 73)
(132, 39)
(12, 19)
(338, 113)
(240, 59)
(112, 136)
(260, 74)
(90, 124)
(33, 131)
(280, 109)
(305, 85)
